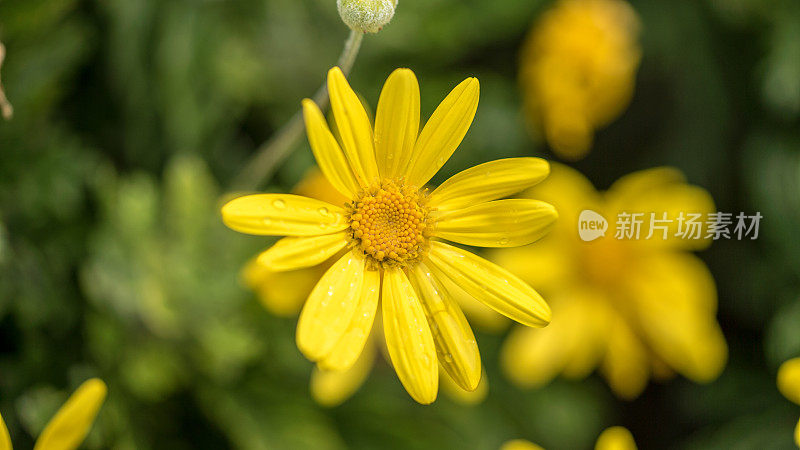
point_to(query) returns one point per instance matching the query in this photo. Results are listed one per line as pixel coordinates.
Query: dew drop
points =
(279, 204)
(323, 211)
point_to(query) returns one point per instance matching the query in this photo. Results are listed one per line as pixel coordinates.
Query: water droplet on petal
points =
(279, 204)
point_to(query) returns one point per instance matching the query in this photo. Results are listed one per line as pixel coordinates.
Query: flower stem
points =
(276, 149)
(5, 107)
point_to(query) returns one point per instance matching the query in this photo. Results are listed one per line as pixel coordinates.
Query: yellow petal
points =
(520, 444)
(349, 347)
(478, 314)
(69, 427)
(282, 215)
(625, 365)
(615, 438)
(789, 380)
(329, 156)
(354, 128)
(408, 337)
(292, 253)
(489, 181)
(443, 132)
(5, 439)
(455, 344)
(459, 394)
(489, 283)
(797, 434)
(331, 388)
(330, 307)
(501, 223)
(397, 123)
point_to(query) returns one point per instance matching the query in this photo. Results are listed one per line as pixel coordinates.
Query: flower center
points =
(389, 223)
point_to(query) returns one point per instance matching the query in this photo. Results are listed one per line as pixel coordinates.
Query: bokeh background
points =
(132, 118)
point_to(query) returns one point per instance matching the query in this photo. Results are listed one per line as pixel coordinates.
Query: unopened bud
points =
(366, 16)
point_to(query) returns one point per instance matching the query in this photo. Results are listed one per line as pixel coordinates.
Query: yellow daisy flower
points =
(392, 230)
(578, 69)
(632, 307)
(614, 438)
(69, 427)
(789, 385)
(283, 294)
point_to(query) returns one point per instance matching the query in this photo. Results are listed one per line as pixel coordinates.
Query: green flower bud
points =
(366, 16)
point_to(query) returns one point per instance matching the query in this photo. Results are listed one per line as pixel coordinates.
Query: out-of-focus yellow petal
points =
(675, 301)
(329, 156)
(548, 264)
(532, 357)
(570, 193)
(491, 284)
(789, 380)
(330, 307)
(5, 439)
(488, 181)
(662, 190)
(408, 337)
(797, 434)
(69, 427)
(354, 128)
(572, 344)
(500, 223)
(315, 185)
(292, 253)
(626, 363)
(455, 344)
(281, 293)
(627, 188)
(615, 438)
(443, 132)
(520, 444)
(459, 394)
(568, 132)
(349, 347)
(331, 388)
(282, 215)
(397, 123)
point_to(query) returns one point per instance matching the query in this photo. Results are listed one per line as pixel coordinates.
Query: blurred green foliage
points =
(132, 116)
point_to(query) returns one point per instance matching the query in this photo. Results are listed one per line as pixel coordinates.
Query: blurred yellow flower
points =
(789, 385)
(614, 438)
(283, 294)
(69, 427)
(578, 69)
(388, 229)
(635, 308)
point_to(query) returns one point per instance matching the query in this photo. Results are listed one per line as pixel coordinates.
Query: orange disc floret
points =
(389, 223)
